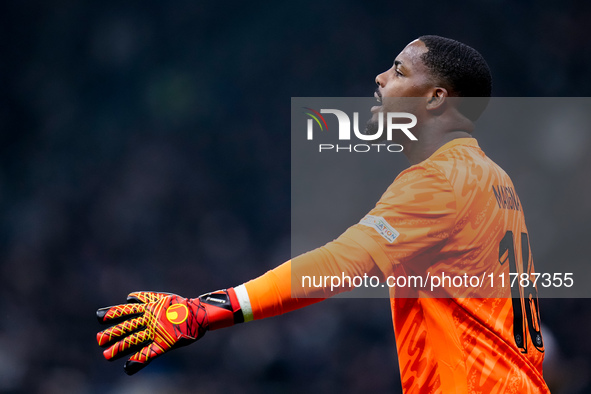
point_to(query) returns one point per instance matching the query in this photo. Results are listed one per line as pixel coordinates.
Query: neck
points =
(435, 131)
(428, 143)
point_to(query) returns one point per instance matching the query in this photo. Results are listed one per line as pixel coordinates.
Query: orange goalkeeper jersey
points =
(457, 213)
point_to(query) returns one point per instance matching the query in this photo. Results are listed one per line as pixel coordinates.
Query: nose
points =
(380, 80)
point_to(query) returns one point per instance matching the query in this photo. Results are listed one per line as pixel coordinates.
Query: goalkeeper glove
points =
(153, 323)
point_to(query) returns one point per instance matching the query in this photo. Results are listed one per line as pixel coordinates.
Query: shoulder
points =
(418, 187)
(464, 165)
(461, 153)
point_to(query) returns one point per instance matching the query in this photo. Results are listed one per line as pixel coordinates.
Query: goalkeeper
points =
(444, 212)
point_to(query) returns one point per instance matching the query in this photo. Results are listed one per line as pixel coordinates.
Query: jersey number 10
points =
(524, 298)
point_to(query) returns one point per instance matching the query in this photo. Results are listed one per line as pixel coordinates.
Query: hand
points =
(154, 323)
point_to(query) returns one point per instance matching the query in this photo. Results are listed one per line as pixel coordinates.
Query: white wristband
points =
(244, 302)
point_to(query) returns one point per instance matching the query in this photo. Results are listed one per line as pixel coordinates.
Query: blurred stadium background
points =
(145, 146)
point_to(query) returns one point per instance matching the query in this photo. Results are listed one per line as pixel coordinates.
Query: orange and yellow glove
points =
(151, 323)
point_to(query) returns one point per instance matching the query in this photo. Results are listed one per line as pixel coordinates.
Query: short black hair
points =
(460, 68)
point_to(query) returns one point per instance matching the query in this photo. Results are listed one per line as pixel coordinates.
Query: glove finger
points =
(114, 314)
(128, 345)
(128, 326)
(142, 358)
(146, 296)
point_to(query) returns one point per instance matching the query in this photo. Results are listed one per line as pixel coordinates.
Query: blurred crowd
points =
(146, 146)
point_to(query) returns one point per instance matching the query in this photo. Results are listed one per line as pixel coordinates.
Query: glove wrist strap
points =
(223, 308)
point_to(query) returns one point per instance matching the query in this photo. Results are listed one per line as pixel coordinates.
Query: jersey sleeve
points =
(281, 289)
(415, 215)
(413, 219)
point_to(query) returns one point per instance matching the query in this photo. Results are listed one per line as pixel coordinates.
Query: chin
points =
(373, 126)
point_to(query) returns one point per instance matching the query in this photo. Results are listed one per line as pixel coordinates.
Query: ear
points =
(437, 98)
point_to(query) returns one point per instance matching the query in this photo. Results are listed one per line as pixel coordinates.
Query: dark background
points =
(145, 146)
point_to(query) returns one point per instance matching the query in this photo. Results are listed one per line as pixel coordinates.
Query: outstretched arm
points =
(152, 323)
